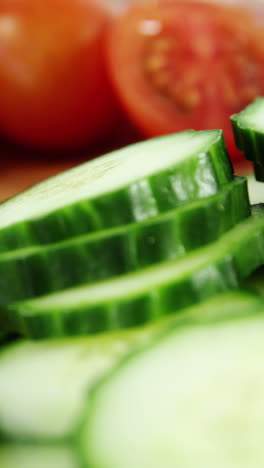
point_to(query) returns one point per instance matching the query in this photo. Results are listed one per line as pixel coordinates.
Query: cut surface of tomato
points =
(54, 85)
(184, 64)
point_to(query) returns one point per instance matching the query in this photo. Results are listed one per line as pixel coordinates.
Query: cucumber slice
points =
(142, 296)
(35, 271)
(55, 376)
(248, 126)
(192, 399)
(130, 184)
(27, 456)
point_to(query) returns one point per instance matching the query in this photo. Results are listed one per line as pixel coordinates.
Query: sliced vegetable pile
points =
(147, 253)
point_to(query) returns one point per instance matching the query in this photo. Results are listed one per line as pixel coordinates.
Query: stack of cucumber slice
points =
(137, 206)
(145, 253)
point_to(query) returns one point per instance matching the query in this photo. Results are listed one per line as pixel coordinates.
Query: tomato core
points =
(178, 70)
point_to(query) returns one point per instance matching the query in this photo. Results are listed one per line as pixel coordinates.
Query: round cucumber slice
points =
(194, 398)
(127, 185)
(56, 376)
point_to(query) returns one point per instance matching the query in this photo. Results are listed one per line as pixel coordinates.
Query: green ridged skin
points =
(193, 398)
(35, 271)
(248, 127)
(152, 292)
(128, 185)
(56, 376)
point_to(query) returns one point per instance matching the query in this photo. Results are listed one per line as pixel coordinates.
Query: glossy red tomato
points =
(54, 88)
(182, 64)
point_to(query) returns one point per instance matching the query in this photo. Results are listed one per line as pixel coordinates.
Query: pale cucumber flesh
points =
(131, 184)
(255, 190)
(194, 399)
(252, 116)
(105, 174)
(56, 376)
(37, 456)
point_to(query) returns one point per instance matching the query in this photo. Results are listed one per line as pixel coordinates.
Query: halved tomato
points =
(54, 85)
(185, 64)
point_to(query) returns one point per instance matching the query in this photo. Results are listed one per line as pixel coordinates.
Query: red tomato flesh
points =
(182, 64)
(54, 87)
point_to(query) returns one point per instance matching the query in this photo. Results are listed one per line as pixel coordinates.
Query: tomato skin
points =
(54, 86)
(186, 64)
(116, 7)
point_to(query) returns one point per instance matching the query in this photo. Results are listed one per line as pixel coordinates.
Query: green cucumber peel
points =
(131, 184)
(248, 128)
(142, 296)
(39, 270)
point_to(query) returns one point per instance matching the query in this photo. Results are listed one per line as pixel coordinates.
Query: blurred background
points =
(82, 77)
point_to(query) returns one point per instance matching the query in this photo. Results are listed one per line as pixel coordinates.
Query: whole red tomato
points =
(180, 64)
(54, 88)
